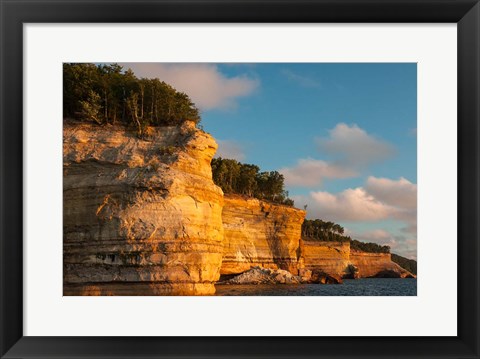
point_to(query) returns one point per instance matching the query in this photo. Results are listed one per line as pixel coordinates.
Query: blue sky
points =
(343, 135)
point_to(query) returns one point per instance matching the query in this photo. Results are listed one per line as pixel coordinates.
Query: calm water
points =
(357, 287)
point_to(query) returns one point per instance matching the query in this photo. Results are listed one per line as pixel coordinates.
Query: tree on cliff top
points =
(318, 230)
(246, 179)
(108, 94)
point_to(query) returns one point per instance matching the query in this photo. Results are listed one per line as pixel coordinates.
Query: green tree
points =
(122, 96)
(246, 179)
(79, 80)
(91, 106)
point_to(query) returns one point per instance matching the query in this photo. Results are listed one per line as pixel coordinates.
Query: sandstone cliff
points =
(377, 265)
(258, 233)
(336, 258)
(330, 257)
(141, 216)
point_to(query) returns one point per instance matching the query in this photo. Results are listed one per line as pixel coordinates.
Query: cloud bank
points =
(204, 83)
(398, 244)
(353, 204)
(352, 150)
(379, 199)
(400, 193)
(310, 172)
(354, 147)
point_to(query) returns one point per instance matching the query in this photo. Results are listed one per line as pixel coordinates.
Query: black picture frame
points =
(14, 13)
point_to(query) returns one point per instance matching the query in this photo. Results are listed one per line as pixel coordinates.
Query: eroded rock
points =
(259, 233)
(259, 275)
(379, 265)
(142, 216)
(328, 257)
(320, 277)
(337, 260)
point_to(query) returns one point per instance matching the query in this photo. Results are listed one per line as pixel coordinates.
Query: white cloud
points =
(352, 149)
(353, 146)
(399, 244)
(230, 149)
(353, 204)
(204, 83)
(302, 80)
(379, 236)
(310, 172)
(401, 193)
(379, 199)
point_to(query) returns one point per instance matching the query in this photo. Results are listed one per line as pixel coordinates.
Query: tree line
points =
(408, 264)
(106, 94)
(318, 230)
(246, 179)
(323, 230)
(368, 247)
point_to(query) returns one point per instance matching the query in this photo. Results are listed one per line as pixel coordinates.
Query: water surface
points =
(350, 287)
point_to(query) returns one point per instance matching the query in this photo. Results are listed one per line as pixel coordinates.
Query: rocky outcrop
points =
(330, 257)
(320, 277)
(258, 233)
(259, 275)
(378, 265)
(336, 259)
(142, 216)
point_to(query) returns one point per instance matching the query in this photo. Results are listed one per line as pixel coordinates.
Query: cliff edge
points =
(142, 216)
(338, 259)
(260, 233)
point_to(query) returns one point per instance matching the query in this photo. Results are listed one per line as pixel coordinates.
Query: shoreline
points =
(351, 287)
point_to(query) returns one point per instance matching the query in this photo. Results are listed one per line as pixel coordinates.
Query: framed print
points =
(239, 179)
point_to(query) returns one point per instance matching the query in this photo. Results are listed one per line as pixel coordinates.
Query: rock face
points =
(141, 216)
(336, 259)
(258, 233)
(330, 257)
(321, 277)
(377, 265)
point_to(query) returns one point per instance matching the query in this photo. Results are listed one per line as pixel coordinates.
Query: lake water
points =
(350, 287)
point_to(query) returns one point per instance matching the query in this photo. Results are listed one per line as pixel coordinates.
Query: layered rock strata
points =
(338, 260)
(142, 216)
(377, 265)
(258, 233)
(330, 257)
